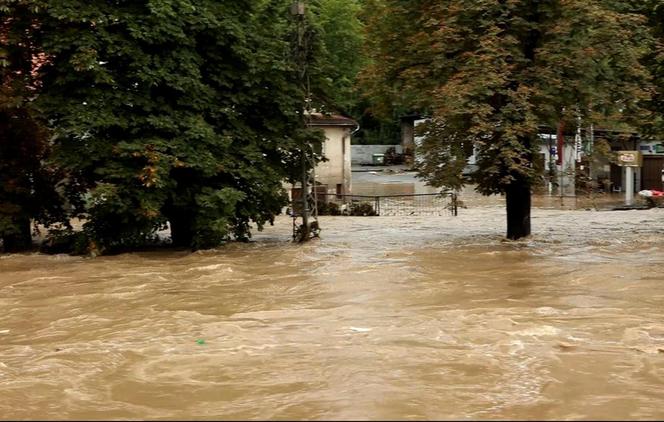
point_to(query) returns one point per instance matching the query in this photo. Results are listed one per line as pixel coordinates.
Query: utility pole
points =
(307, 229)
(629, 185)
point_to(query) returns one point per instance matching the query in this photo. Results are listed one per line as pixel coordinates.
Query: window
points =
(340, 190)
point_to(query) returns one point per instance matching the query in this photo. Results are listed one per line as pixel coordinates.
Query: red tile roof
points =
(320, 119)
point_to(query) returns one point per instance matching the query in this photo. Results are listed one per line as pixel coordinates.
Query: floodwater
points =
(381, 318)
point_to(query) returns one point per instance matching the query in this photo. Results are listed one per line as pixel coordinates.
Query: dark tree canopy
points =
(654, 10)
(27, 181)
(175, 111)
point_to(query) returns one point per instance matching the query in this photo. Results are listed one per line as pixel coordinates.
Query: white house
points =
(334, 175)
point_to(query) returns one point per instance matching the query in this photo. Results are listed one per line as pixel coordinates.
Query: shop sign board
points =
(629, 158)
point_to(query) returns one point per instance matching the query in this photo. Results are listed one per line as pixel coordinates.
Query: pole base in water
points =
(304, 233)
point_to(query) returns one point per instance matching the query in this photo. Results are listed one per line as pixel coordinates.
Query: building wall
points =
(337, 170)
(653, 164)
(363, 154)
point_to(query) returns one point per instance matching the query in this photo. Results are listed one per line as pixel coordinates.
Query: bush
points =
(363, 209)
(63, 241)
(328, 208)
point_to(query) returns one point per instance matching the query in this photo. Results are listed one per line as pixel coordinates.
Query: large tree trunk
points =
(21, 241)
(517, 196)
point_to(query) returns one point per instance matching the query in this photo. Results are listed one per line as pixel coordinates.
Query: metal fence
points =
(426, 204)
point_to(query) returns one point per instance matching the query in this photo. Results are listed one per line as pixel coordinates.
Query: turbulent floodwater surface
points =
(382, 318)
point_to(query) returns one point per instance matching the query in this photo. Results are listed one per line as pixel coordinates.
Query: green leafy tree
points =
(342, 35)
(175, 112)
(340, 54)
(654, 11)
(489, 73)
(27, 180)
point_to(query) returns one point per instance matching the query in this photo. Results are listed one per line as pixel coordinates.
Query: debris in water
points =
(544, 330)
(566, 346)
(360, 329)
(200, 341)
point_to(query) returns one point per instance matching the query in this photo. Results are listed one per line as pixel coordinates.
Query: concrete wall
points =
(363, 154)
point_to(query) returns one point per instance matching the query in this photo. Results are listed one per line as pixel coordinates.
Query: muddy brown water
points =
(382, 318)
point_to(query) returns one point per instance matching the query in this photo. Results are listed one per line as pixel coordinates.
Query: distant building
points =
(334, 175)
(650, 175)
(606, 174)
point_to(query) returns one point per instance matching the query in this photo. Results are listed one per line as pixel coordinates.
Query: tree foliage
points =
(342, 35)
(490, 72)
(27, 180)
(654, 10)
(341, 55)
(171, 111)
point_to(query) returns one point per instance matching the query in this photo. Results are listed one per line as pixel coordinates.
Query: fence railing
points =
(424, 204)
